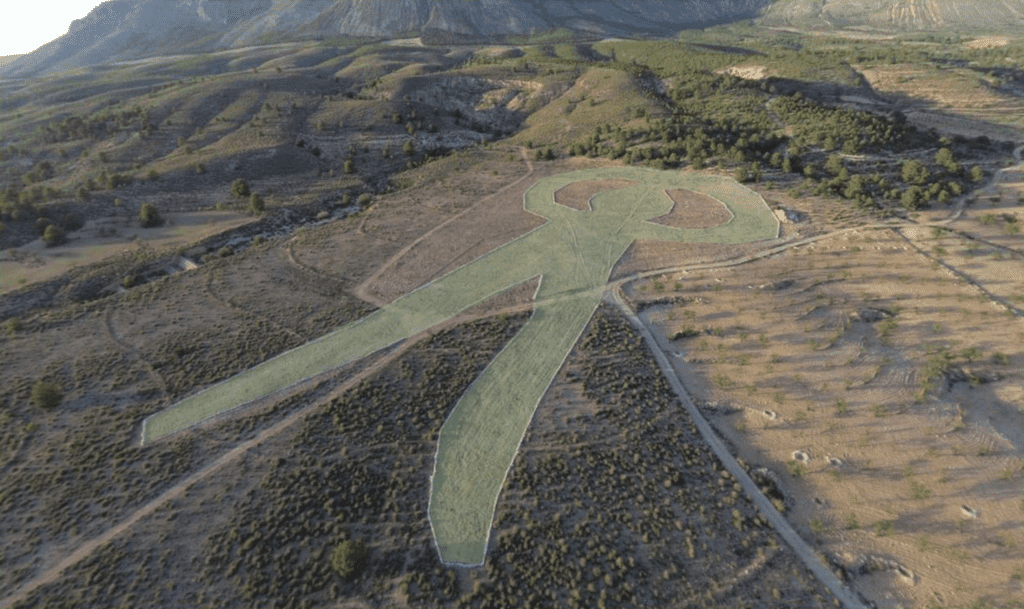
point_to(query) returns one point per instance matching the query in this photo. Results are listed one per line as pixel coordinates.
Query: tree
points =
(46, 395)
(240, 188)
(54, 235)
(912, 198)
(977, 174)
(256, 204)
(350, 558)
(364, 200)
(408, 148)
(149, 216)
(834, 164)
(349, 166)
(914, 172)
(944, 157)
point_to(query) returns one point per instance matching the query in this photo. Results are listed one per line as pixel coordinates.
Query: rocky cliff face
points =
(129, 29)
(945, 15)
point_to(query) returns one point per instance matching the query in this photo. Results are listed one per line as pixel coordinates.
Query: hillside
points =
(130, 29)
(863, 366)
(887, 15)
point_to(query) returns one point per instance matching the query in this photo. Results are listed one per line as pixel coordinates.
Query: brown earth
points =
(694, 210)
(578, 194)
(908, 452)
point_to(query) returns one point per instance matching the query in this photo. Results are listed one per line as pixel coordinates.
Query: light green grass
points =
(574, 253)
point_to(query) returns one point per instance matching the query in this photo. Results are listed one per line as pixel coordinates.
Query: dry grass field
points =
(885, 395)
(952, 99)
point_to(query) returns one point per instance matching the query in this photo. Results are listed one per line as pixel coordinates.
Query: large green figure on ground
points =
(573, 253)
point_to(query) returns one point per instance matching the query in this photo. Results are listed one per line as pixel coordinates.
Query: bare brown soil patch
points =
(891, 456)
(106, 237)
(578, 194)
(692, 209)
(988, 42)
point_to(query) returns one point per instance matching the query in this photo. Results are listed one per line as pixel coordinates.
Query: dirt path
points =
(362, 291)
(131, 351)
(802, 549)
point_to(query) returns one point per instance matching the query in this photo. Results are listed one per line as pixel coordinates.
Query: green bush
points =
(350, 559)
(54, 235)
(46, 395)
(256, 204)
(149, 216)
(240, 188)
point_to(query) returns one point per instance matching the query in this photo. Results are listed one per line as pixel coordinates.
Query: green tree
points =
(834, 164)
(977, 174)
(240, 188)
(54, 235)
(149, 216)
(349, 166)
(914, 172)
(46, 395)
(256, 204)
(912, 198)
(350, 558)
(408, 148)
(944, 157)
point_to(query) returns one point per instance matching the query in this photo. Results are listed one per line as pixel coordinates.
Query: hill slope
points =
(131, 29)
(946, 15)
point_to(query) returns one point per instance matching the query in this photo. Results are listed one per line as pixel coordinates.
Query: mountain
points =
(940, 15)
(119, 30)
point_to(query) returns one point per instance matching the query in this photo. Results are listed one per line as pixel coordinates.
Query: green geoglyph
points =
(573, 253)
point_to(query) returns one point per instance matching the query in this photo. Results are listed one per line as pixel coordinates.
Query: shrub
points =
(364, 199)
(152, 175)
(12, 326)
(54, 235)
(256, 204)
(240, 188)
(46, 395)
(350, 558)
(149, 216)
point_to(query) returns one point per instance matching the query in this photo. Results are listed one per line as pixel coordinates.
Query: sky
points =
(26, 25)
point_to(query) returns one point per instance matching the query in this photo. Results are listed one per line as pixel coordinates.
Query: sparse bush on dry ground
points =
(650, 518)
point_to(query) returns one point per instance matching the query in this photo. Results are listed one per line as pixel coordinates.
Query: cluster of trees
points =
(98, 125)
(851, 131)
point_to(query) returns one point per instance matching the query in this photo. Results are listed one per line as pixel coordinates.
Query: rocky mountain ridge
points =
(118, 30)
